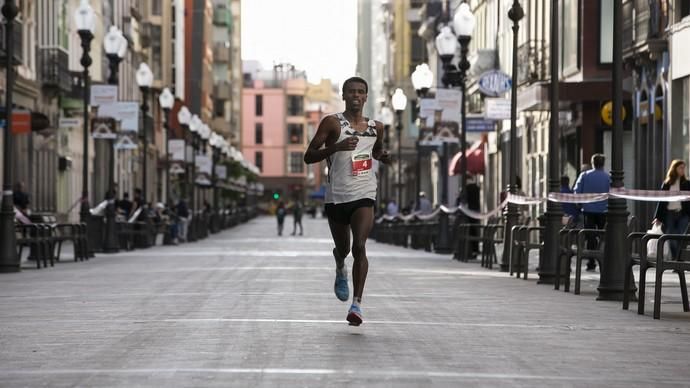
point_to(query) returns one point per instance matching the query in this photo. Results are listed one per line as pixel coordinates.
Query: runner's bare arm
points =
(327, 135)
(378, 152)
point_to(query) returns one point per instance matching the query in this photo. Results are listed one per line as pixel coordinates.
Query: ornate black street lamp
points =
(85, 20)
(205, 134)
(9, 260)
(144, 80)
(184, 117)
(216, 142)
(554, 214)
(399, 100)
(612, 274)
(166, 101)
(194, 127)
(386, 115)
(115, 47)
(422, 79)
(511, 213)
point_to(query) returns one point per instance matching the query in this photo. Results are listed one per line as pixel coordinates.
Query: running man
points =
(349, 142)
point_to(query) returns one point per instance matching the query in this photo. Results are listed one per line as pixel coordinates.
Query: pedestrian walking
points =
(595, 180)
(392, 208)
(280, 217)
(350, 142)
(297, 210)
(182, 211)
(674, 216)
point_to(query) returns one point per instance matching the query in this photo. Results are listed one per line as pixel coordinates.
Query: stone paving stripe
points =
(345, 372)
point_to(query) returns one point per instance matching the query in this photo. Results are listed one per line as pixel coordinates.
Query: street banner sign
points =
(176, 147)
(494, 83)
(427, 107)
(103, 128)
(125, 142)
(204, 164)
(221, 172)
(21, 122)
(479, 124)
(176, 169)
(126, 112)
(69, 122)
(103, 94)
(496, 109)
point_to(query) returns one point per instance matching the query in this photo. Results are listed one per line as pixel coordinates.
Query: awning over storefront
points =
(475, 161)
(319, 194)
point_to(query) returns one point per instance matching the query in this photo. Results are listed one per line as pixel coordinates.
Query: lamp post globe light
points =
(115, 47)
(422, 79)
(85, 21)
(399, 101)
(166, 101)
(9, 260)
(386, 115)
(511, 213)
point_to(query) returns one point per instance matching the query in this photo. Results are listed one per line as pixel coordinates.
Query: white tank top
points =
(351, 174)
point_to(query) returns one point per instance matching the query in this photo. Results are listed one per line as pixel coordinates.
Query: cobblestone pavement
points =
(246, 308)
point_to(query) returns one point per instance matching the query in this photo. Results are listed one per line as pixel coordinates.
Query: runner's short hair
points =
(355, 79)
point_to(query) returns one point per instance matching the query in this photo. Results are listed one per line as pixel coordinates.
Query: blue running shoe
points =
(342, 291)
(354, 316)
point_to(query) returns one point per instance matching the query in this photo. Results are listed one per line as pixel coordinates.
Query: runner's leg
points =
(362, 221)
(341, 238)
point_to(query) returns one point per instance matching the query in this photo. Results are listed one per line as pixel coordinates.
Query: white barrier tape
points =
(577, 198)
(650, 195)
(523, 200)
(7, 192)
(21, 217)
(483, 216)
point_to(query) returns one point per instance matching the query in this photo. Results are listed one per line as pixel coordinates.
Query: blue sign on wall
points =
(479, 124)
(494, 83)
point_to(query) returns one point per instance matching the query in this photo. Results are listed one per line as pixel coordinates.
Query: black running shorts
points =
(342, 213)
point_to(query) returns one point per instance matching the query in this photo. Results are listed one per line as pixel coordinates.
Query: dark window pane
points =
(259, 160)
(259, 133)
(259, 105)
(295, 105)
(295, 133)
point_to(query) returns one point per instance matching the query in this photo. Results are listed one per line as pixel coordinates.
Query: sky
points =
(319, 36)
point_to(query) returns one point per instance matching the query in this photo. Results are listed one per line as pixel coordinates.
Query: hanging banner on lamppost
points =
(103, 128)
(125, 142)
(496, 108)
(221, 172)
(176, 147)
(204, 164)
(126, 112)
(103, 94)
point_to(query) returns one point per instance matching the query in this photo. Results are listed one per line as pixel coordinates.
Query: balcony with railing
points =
(533, 62)
(221, 53)
(18, 50)
(222, 16)
(54, 69)
(222, 91)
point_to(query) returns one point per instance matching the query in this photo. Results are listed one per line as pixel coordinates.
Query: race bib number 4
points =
(361, 164)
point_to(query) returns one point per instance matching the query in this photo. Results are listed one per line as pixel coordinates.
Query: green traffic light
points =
(276, 196)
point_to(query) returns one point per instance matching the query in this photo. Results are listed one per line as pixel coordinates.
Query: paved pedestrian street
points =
(246, 308)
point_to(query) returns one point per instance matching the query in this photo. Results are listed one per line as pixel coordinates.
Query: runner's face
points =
(355, 95)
